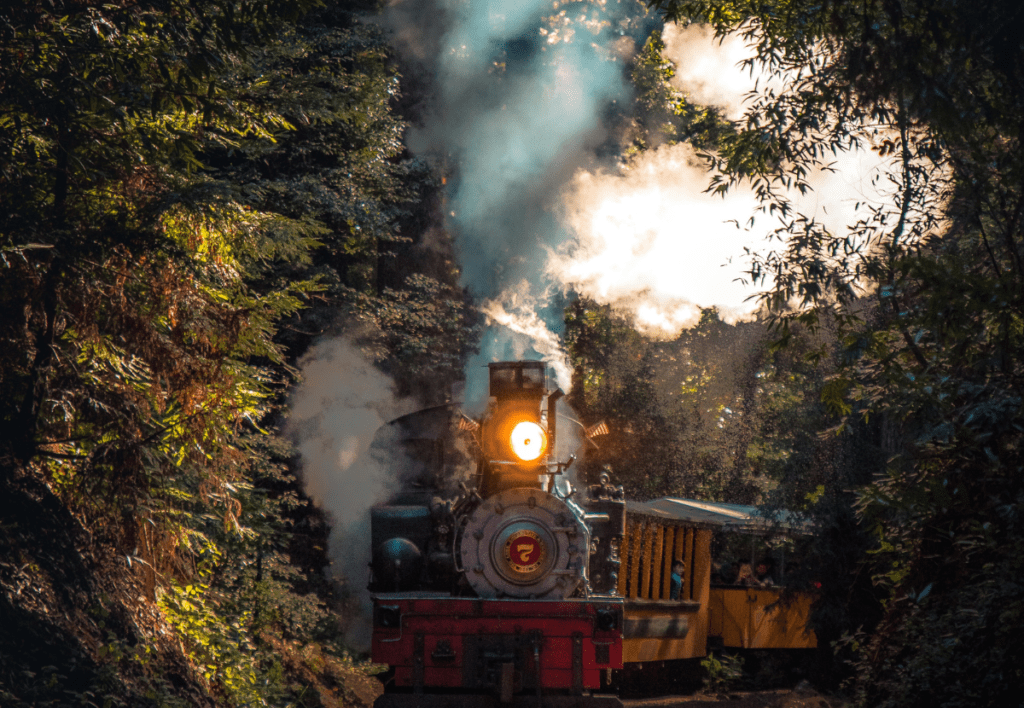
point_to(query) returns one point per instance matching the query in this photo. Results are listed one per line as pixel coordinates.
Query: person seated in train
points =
(676, 588)
(722, 573)
(763, 574)
(745, 576)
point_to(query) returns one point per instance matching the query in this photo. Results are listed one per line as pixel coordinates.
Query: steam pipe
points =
(552, 400)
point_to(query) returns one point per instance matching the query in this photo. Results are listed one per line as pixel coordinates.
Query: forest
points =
(195, 196)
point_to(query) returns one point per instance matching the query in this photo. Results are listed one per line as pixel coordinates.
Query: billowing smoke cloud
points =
(647, 238)
(649, 241)
(708, 69)
(521, 87)
(335, 411)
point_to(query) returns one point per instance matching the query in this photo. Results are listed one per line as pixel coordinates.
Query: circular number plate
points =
(524, 551)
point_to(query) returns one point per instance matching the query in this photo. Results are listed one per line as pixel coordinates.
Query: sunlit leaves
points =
(177, 179)
(661, 112)
(925, 293)
(132, 320)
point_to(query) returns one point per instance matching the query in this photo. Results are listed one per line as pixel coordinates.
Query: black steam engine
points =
(501, 587)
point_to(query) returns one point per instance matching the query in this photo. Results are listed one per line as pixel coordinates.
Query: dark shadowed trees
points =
(179, 181)
(925, 293)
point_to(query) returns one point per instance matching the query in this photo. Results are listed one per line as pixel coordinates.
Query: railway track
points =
(778, 698)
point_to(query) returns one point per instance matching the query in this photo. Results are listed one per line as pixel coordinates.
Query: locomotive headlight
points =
(528, 441)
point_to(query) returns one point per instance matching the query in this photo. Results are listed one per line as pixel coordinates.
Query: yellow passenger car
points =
(676, 618)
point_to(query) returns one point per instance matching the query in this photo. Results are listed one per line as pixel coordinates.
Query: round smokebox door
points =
(523, 542)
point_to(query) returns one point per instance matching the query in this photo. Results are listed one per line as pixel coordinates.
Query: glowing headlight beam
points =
(528, 441)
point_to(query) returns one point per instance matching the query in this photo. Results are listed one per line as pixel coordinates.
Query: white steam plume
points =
(517, 311)
(649, 241)
(335, 411)
(521, 89)
(708, 69)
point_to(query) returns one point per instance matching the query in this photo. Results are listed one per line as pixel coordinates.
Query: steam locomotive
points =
(508, 588)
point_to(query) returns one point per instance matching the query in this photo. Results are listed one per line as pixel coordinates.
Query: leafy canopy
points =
(924, 290)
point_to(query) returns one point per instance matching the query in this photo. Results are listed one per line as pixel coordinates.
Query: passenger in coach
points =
(676, 588)
(722, 573)
(764, 574)
(746, 576)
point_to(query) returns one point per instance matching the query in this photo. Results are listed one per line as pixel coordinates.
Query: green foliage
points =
(129, 332)
(722, 672)
(720, 414)
(344, 169)
(181, 181)
(421, 334)
(661, 113)
(960, 650)
(220, 646)
(924, 294)
(614, 380)
(712, 414)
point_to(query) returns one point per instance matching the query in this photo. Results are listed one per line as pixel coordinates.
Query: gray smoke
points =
(521, 87)
(340, 403)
